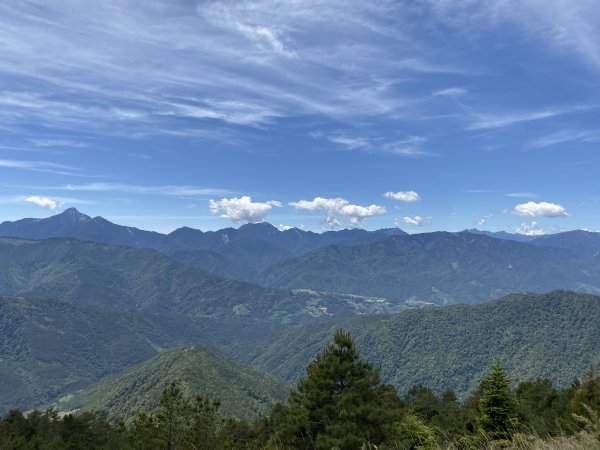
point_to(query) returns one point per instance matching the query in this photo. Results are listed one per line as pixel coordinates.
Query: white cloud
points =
(38, 166)
(242, 63)
(565, 136)
(403, 196)
(282, 227)
(350, 142)
(450, 92)
(171, 190)
(564, 25)
(484, 219)
(337, 208)
(530, 229)
(242, 209)
(541, 209)
(416, 220)
(44, 202)
(521, 195)
(408, 146)
(262, 34)
(485, 121)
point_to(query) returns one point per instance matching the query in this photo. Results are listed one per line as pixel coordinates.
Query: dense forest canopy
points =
(340, 403)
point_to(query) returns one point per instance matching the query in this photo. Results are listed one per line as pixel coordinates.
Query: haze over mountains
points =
(84, 299)
(439, 267)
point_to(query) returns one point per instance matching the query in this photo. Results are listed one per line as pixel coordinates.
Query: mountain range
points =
(241, 252)
(82, 300)
(441, 268)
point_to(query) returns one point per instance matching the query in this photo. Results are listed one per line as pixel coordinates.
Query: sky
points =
(423, 115)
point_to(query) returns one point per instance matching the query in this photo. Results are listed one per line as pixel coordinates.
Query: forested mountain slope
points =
(245, 393)
(442, 268)
(554, 335)
(49, 348)
(130, 279)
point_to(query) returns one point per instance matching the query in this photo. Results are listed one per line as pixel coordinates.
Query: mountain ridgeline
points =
(441, 268)
(141, 280)
(243, 252)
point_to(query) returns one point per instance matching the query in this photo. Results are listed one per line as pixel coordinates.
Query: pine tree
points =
(341, 403)
(498, 406)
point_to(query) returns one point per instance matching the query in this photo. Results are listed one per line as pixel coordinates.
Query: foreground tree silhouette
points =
(498, 405)
(341, 403)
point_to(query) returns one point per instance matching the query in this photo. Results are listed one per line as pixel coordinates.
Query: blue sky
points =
(427, 115)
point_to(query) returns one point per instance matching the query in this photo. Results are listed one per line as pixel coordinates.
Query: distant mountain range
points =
(504, 235)
(552, 335)
(141, 280)
(441, 268)
(240, 253)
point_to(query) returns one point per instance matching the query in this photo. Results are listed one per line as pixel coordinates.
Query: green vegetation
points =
(497, 404)
(441, 268)
(51, 348)
(552, 335)
(137, 280)
(339, 404)
(244, 393)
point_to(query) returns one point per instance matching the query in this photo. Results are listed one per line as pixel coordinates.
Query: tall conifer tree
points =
(341, 403)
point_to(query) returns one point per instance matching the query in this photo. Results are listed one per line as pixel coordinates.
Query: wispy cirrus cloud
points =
(490, 121)
(521, 195)
(39, 166)
(239, 63)
(563, 25)
(411, 146)
(565, 136)
(169, 190)
(451, 92)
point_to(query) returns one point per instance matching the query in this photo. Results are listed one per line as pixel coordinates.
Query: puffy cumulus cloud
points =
(282, 227)
(340, 208)
(44, 202)
(416, 220)
(484, 219)
(530, 229)
(541, 209)
(242, 209)
(403, 196)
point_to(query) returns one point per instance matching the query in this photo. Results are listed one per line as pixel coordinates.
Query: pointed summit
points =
(73, 215)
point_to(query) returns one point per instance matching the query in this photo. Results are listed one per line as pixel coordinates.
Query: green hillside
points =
(245, 393)
(49, 348)
(554, 335)
(130, 279)
(442, 268)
